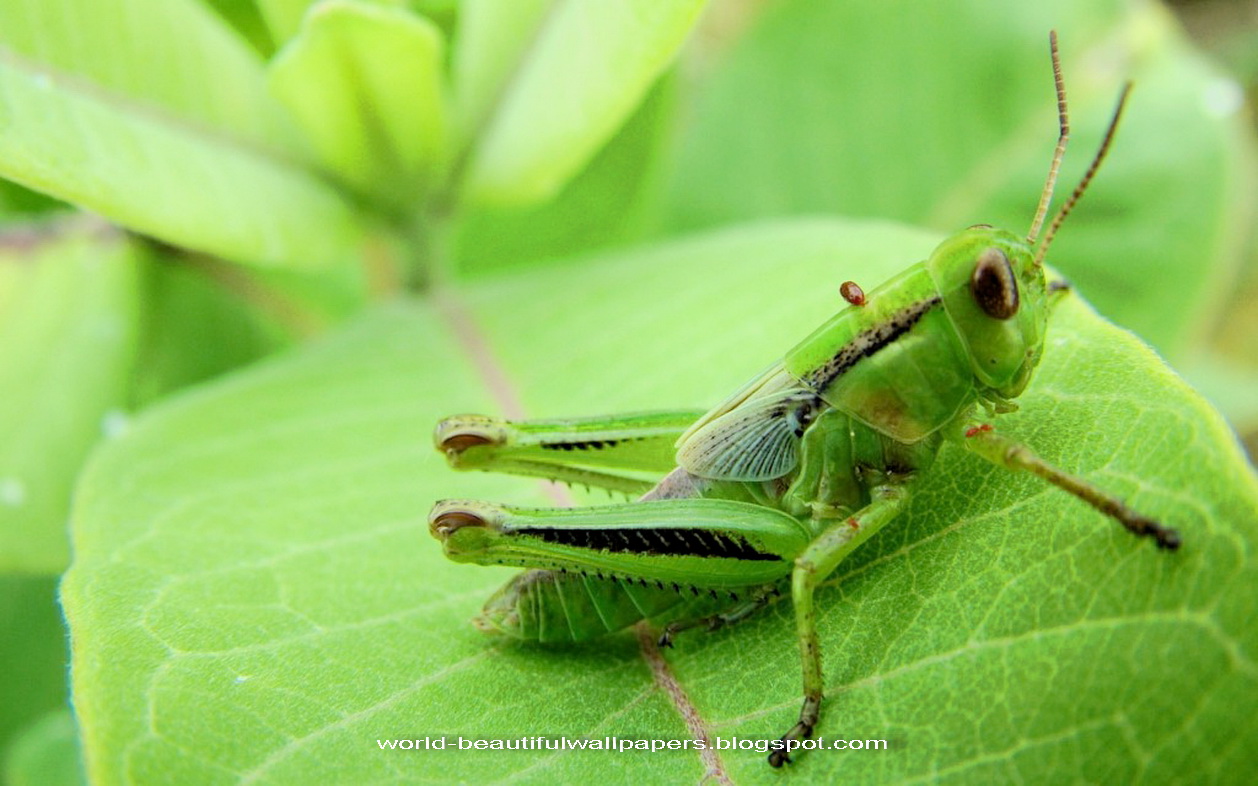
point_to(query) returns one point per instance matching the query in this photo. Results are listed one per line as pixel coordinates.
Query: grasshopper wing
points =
(755, 440)
(773, 379)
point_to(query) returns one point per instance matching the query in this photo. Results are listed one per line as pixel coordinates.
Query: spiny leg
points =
(626, 453)
(714, 546)
(758, 600)
(812, 567)
(1008, 453)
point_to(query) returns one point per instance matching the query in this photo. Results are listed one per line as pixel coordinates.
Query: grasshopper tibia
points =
(1007, 453)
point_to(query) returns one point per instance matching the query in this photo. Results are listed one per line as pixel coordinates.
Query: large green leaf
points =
(156, 116)
(943, 115)
(68, 330)
(255, 596)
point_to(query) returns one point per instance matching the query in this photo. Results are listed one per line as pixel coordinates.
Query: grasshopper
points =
(777, 485)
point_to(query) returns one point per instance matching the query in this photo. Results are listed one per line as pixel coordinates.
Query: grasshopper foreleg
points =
(812, 567)
(1007, 453)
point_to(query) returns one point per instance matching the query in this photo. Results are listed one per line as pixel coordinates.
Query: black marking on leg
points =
(652, 541)
(587, 444)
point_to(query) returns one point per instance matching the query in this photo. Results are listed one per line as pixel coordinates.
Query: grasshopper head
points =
(995, 295)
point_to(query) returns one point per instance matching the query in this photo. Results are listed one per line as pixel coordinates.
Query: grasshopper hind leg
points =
(622, 453)
(599, 569)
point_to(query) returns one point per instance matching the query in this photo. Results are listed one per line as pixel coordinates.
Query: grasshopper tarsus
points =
(1167, 538)
(809, 714)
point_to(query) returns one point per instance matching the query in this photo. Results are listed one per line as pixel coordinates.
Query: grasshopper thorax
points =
(995, 296)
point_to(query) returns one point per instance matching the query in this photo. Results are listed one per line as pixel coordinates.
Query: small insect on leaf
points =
(773, 488)
(852, 293)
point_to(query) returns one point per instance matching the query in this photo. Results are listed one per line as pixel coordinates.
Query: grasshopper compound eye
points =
(994, 286)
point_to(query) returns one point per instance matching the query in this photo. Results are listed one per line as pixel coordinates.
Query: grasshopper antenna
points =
(1087, 176)
(1063, 136)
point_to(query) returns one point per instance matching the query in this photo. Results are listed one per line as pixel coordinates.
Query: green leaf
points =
(944, 116)
(283, 17)
(492, 40)
(365, 83)
(47, 754)
(193, 152)
(68, 325)
(561, 78)
(255, 596)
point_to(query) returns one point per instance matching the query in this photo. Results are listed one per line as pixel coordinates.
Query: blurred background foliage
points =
(155, 273)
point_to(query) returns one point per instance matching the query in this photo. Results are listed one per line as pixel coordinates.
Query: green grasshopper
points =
(778, 484)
